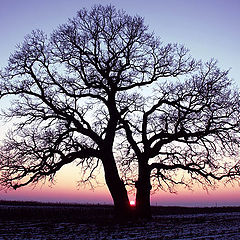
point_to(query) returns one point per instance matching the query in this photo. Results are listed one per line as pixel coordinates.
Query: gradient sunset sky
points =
(209, 28)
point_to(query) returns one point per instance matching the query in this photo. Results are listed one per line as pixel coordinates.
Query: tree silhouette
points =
(186, 132)
(94, 93)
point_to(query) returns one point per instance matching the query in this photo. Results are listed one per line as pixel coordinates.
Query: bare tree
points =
(79, 96)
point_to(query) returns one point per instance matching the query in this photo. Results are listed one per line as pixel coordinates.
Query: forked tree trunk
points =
(117, 189)
(143, 186)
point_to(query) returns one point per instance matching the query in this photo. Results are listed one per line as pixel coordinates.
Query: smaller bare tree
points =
(186, 131)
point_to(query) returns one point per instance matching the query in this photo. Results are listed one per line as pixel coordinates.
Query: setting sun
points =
(132, 203)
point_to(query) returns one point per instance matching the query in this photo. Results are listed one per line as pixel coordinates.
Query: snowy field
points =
(184, 226)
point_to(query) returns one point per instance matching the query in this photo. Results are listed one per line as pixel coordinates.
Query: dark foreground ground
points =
(30, 220)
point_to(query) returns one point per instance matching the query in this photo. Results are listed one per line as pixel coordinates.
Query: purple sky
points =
(209, 28)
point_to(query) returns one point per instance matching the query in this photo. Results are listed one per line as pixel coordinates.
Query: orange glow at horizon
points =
(64, 189)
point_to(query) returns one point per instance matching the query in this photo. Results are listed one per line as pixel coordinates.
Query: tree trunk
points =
(143, 185)
(117, 189)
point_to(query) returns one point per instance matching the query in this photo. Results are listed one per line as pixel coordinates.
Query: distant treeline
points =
(31, 210)
(37, 203)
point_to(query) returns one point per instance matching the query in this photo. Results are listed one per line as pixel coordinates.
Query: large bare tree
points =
(84, 95)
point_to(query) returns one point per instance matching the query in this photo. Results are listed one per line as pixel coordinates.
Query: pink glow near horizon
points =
(56, 194)
(221, 197)
(198, 198)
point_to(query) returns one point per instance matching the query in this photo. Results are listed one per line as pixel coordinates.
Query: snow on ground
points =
(186, 226)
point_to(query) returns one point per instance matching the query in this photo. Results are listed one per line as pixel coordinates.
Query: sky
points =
(210, 29)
